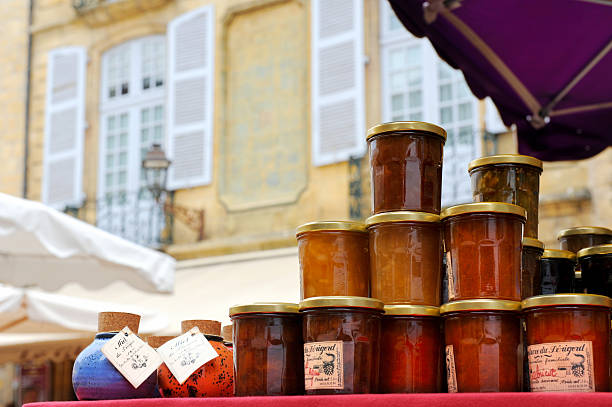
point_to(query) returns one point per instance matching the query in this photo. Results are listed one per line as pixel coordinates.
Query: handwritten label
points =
(131, 356)
(186, 353)
(450, 277)
(561, 366)
(323, 365)
(451, 373)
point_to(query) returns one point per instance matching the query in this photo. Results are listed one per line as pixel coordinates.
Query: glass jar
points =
(268, 349)
(510, 178)
(341, 344)
(483, 345)
(596, 266)
(574, 239)
(558, 274)
(334, 259)
(410, 350)
(405, 257)
(531, 275)
(578, 283)
(483, 250)
(568, 338)
(406, 166)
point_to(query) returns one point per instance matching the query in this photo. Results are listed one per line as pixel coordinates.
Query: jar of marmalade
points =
(483, 346)
(568, 338)
(483, 250)
(558, 274)
(574, 239)
(406, 166)
(410, 350)
(341, 344)
(405, 257)
(510, 178)
(334, 259)
(596, 266)
(531, 275)
(268, 349)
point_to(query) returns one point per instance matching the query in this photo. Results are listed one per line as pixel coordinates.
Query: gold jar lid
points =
(484, 207)
(480, 305)
(418, 310)
(406, 126)
(331, 225)
(505, 159)
(264, 308)
(584, 230)
(559, 254)
(341, 302)
(593, 250)
(567, 299)
(531, 242)
(401, 216)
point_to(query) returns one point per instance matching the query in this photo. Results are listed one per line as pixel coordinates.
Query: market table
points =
(365, 400)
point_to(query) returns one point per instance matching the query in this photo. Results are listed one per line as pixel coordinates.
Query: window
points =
(132, 119)
(417, 85)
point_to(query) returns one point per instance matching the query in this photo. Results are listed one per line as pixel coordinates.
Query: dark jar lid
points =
(401, 126)
(480, 305)
(601, 249)
(341, 302)
(567, 299)
(264, 308)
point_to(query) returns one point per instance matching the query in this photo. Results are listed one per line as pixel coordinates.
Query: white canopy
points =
(42, 247)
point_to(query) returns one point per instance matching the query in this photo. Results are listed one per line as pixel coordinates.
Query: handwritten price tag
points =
(186, 353)
(131, 356)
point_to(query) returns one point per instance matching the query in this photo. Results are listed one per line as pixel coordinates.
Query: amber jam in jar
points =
(596, 266)
(568, 338)
(510, 178)
(575, 239)
(341, 344)
(558, 274)
(483, 250)
(268, 349)
(483, 346)
(531, 275)
(410, 350)
(406, 166)
(405, 257)
(334, 259)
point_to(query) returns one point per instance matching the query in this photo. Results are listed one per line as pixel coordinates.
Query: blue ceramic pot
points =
(95, 378)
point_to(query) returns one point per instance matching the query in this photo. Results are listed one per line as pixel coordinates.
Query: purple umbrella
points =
(547, 65)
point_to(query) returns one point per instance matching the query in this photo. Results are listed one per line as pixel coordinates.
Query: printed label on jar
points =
(451, 373)
(323, 365)
(561, 366)
(451, 277)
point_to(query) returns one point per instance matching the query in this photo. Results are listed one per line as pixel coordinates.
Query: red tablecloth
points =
(367, 400)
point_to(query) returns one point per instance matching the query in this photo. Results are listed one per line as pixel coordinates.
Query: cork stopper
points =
(205, 326)
(227, 332)
(157, 341)
(116, 321)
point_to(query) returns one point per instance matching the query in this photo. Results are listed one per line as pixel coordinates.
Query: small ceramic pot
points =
(95, 378)
(213, 379)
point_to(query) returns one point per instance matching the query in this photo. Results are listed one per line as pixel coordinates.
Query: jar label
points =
(451, 277)
(323, 365)
(187, 353)
(131, 356)
(451, 373)
(561, 366)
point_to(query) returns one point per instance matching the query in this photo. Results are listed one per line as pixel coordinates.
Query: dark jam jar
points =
(531, 274)
(483, 346)
(510, 178)
(341, 344)
(483, 250)
(568, 342)
(575, 239)
(406, 166)
(558, 274)
(405, 257)
(596, 267)
(268, 349)
(411, 350)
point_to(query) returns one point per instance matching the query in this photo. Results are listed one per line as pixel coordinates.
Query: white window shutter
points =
(62, 180)
(338, 113)
(493, 121)
(190, 98)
